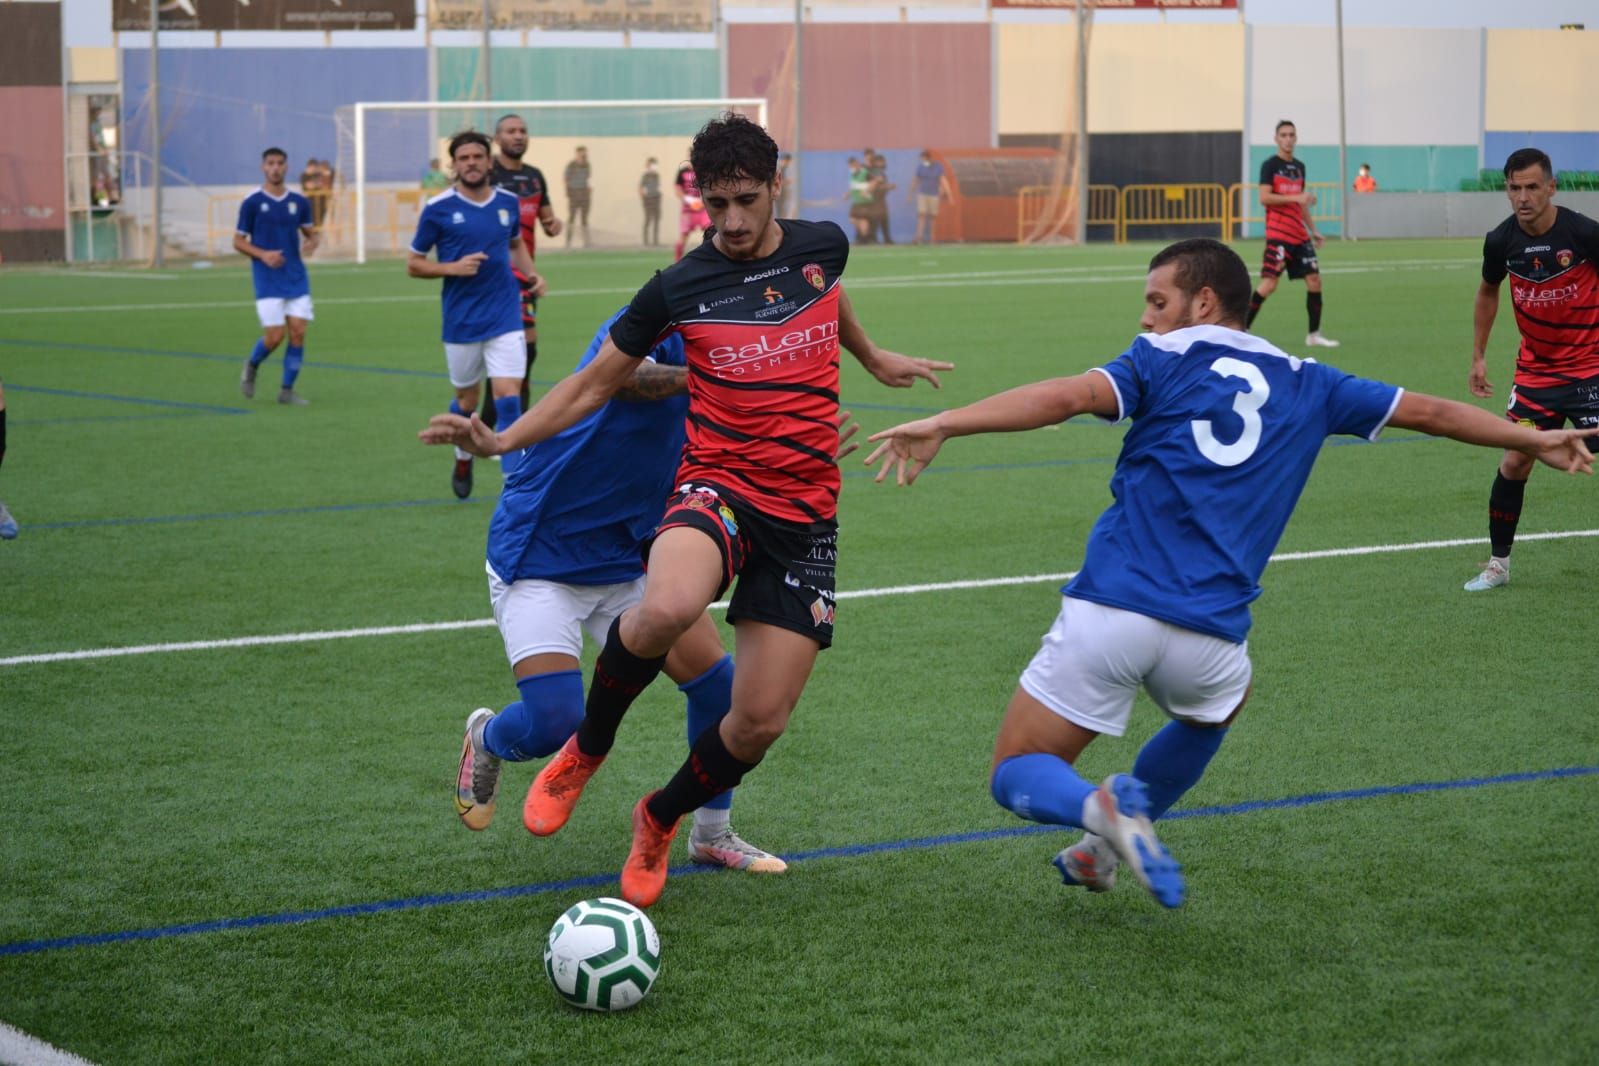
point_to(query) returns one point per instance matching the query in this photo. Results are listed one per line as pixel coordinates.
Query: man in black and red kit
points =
(1551, 255)
(763, 314)
(527, 183)
(1291, 237)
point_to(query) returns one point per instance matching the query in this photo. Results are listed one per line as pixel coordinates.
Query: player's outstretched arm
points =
(572, 399)
(1562, 449)
(910, 447)
(891, 368)
(1483, 312)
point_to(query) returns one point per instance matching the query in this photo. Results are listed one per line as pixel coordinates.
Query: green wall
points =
(555, 74)
(1397, 168)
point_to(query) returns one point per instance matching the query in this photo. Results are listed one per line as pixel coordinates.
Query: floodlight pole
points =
(159, 259)
(1343, 140)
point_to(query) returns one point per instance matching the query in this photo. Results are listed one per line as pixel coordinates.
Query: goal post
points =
(385, 147)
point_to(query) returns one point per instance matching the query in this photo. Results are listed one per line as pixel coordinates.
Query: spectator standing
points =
(860, 200)
(434, 179)
(930, 187)
(649, 194)
(1364, 182)
(880, 188)
(578, 195)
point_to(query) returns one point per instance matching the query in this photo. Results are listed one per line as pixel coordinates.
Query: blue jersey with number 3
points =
(1225, 431)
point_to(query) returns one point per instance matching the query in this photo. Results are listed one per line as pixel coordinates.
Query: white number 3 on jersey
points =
(1246, 405)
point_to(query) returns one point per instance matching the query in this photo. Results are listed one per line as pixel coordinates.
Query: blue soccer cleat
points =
(1123, 807)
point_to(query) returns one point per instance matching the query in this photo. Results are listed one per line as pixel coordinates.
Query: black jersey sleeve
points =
(1493, 257)
(1585, 232)
(1268, 170)
(645, 320)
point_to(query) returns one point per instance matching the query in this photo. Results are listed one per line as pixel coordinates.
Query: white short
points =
(1094, 658)
(504, 356)
(542, 617)
(275, 310)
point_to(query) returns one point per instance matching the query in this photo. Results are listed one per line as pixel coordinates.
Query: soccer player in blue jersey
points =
(1224, 431)
(272, 222)
(476, 229)
(564, 558)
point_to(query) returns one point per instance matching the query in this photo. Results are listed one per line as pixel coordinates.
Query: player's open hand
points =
(467, 265)
(846, 430)
(468, 434)
(907, 448)
(1567, 449)
(1478, 380)
(901, 371)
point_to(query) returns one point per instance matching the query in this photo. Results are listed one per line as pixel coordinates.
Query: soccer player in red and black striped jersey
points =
(763, 314)
(1551, 255)
(1291, 237)
(535, 211)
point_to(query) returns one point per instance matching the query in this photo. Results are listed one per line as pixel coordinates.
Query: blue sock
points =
(1173, 760)
(260, 354)
(455, 409)
(548, 712)
(293, 358)
(709, 697)
(507, 409)
(1041, 788)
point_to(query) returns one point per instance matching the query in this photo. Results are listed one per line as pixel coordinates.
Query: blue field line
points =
(76, 394)
(353, 910)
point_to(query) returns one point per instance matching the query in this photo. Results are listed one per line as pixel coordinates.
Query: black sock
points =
(2, 434)
(488, 414)
(1504, 511)
(709, 771)
(1255, 300)
(619, 676)
(527, 375)
(1313, 307)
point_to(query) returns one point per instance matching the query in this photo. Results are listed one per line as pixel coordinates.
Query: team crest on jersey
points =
(505, 217)
(813, 274)
(1563, 257)
(294, 208)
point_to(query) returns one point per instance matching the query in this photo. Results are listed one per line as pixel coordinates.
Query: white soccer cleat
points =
(1121, 809)
(1090, 863)
(729, 849)
(1316, 340)
(1495, 574)
(477, 776)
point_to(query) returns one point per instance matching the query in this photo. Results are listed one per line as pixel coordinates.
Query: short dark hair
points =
(1522, 158)
(1203, 263)
(732, 147)
(1280, 124)
(276, 152)
(466, 137)
(503, 118)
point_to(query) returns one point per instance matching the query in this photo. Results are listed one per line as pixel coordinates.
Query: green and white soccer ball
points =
(602, 954)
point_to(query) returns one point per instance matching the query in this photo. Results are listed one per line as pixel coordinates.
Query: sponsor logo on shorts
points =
(821, 611)
(813, 274)
(728, 521)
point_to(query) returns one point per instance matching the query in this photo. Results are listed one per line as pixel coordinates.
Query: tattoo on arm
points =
(652, 381)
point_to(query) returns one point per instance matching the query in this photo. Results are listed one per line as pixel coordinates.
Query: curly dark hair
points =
(730, 148)
(471, 137)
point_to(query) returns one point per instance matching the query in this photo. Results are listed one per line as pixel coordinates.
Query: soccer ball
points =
(602, 954)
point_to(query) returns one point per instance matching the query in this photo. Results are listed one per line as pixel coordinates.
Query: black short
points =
(785, 570)
(1551, 407)
(530, 303)
(1299, 259)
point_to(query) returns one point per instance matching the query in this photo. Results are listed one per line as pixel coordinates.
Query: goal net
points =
(386, 150)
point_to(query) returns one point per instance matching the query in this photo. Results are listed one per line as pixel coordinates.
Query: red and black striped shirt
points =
(1554, 287)
(763, 353)
(1285, 222)
(532, 192)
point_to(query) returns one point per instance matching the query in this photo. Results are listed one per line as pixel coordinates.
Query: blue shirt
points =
(274, 223)
(488, 303)
(576, 508)
(1225, 431)
(927, 177)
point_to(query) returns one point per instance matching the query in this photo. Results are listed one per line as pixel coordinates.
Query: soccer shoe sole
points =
(643, 882)
(474, 815)
(1131, 835)
(1080, 866)
(543, 813)
(709, 855)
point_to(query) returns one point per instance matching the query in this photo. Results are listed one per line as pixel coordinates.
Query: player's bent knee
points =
(549, 713)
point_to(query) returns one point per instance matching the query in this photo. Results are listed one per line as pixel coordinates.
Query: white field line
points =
(1033, 276)
(857, 594)
(19, 1049)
